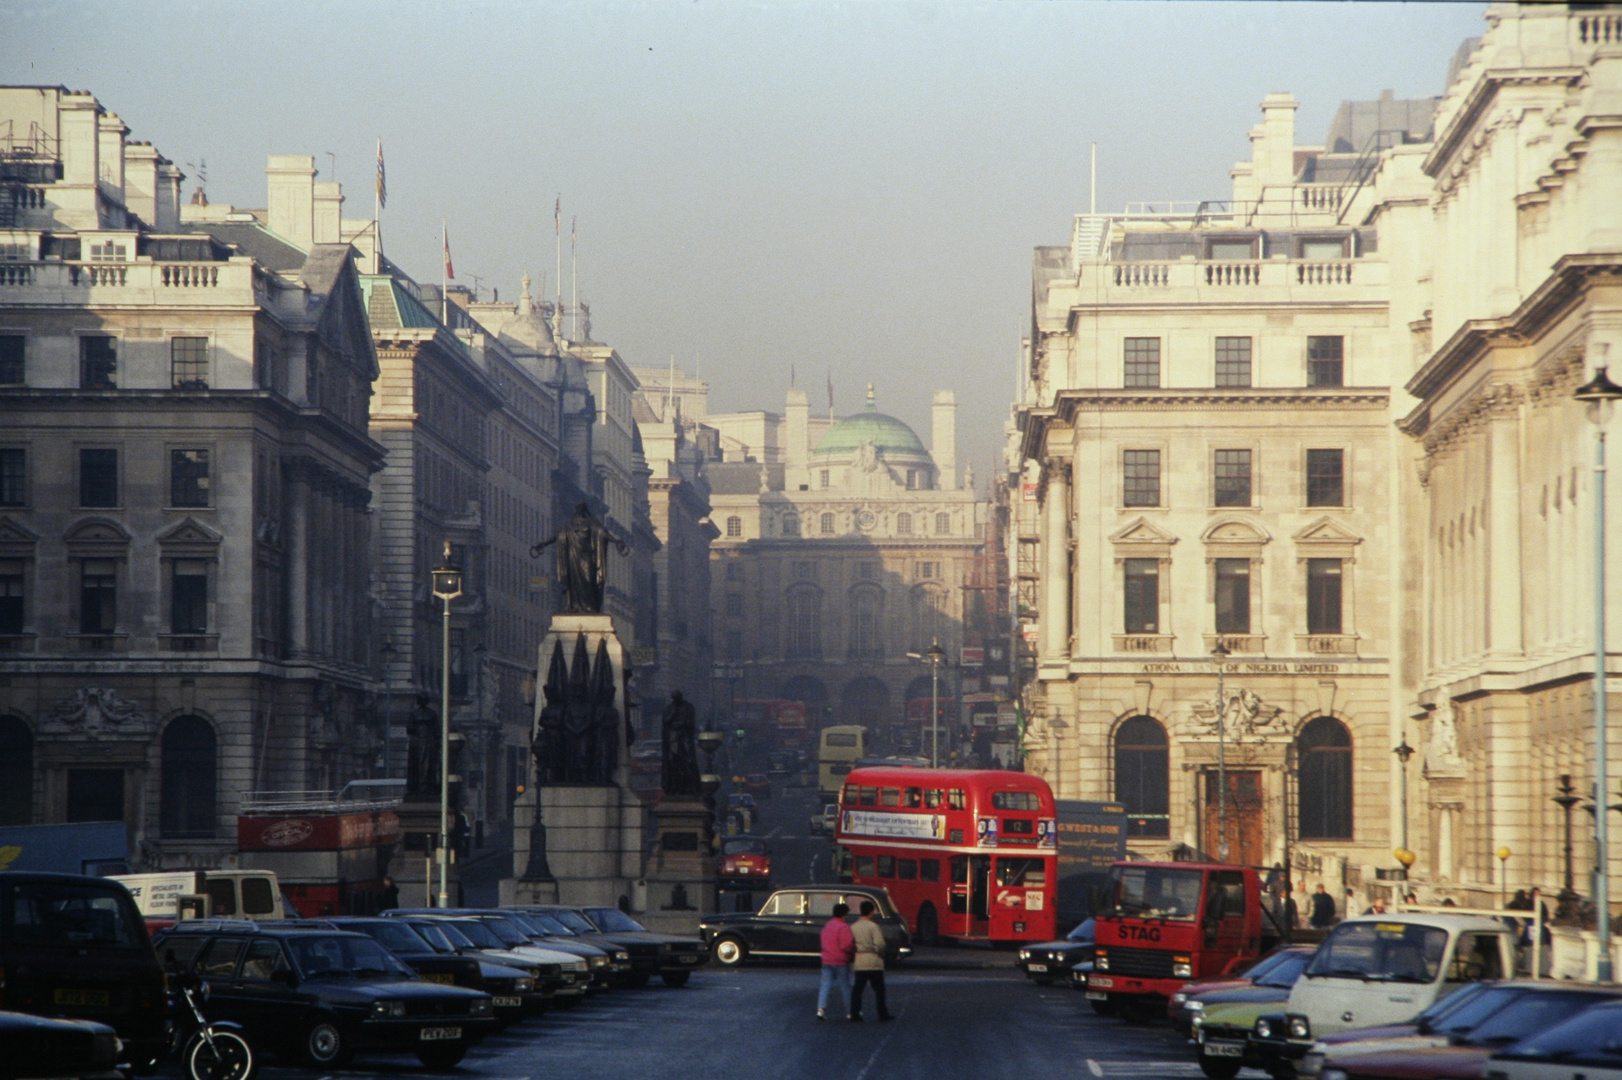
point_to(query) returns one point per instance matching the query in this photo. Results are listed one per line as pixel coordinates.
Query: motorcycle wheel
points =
(229, 1058)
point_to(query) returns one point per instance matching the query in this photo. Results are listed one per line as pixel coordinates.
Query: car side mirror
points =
(285, 977)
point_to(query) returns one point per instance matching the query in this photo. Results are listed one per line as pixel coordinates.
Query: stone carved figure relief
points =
(578, 733)
(1241, 714)
(867, 457)
(96, 710)
(1442, 748)
(582, 566)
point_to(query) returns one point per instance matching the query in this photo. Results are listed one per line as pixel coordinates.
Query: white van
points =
(227, 894)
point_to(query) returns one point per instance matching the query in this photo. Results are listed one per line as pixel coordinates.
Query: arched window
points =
(734, 527)
(16, 772)
(943, 524)
(1324, 753)
(791, 525)
(866, 623)
(929, 617)
(1143, 776)
(903, 524)
(827, 524)
(187, 798)
(803, 634)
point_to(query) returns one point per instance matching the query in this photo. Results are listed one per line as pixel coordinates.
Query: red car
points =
(745, 860)
(758, 784)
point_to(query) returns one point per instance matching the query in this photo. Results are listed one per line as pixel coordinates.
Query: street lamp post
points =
(386, 653)
(1404, 854)
(1503, 854)
(1220, 654)
(1567, 799)
(447, 586)
(936, 654)
(1600, 394)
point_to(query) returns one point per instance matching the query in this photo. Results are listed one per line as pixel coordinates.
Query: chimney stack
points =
(797, 439)
(290, 179)
(329, 212)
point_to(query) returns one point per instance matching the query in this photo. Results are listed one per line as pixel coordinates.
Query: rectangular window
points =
(903, 524)
(1141, 485)
(943, 524)
(13, 477)
(1323, 249)
(1233, 361)
(1326, 361)
(929, 869)
(886, 866)
(929, 570)
(188, 363)
(824, 477)
(906, 869)
(1143, 596)
(188, 600)
(805, 571)
(956, 799)
(734, 571)
(98, 477)
(13, 615)
(866, 571)
(1326, 478)
(1232, 468)
(188, 478)
(1323, 596)
(827, 524)
(1233, 249)
(109, 252)
(12, 370)
(864, 866)
(98, 362)
(1233, 596)
(1142, 362)
(98, 596)
(734, 645)
(735, 605)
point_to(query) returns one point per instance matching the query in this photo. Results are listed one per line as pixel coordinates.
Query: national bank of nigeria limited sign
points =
(898, 826)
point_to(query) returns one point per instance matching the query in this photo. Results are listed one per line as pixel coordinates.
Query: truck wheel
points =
(675, 979)
(1219, 1068)
(730, 952)
(929, 927)
(1105, 1008)
(325, 1046)
(444, 1055)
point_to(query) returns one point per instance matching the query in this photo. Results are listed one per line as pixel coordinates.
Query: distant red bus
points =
(779, 721)
(964, 853)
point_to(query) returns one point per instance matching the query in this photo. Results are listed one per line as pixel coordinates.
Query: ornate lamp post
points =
(447, 586)
(935, 655)
(1600, 394)
(1567, 799)
(1403, 854)
(1220, 655)
(1503, 854)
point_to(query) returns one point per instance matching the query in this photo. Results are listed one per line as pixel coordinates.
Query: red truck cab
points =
(1159, 925)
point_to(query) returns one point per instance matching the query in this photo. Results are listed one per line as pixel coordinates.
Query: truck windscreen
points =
(1154, 893)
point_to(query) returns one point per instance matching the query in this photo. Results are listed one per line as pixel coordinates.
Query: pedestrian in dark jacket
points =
(1323, 909)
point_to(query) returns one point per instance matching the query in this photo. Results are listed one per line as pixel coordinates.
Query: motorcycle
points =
(209, 1050)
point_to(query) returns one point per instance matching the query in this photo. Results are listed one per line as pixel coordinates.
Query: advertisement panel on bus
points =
(968, 854)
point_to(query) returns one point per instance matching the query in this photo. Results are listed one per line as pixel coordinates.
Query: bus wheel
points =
(1219, 1068)
(929, 930)
(1105, 1008)
(730, 952)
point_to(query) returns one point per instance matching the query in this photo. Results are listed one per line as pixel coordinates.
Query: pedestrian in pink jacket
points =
(838, 950)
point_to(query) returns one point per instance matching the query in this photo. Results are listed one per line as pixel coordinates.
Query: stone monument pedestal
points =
(591, 833)
(681, 869)
(411, 867)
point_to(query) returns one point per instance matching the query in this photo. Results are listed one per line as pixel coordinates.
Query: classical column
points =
(1056, 574)
(1504, 571)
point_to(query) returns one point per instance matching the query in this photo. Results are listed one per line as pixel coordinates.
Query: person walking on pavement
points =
(838, 949)
(869, 964)
(1323, 909)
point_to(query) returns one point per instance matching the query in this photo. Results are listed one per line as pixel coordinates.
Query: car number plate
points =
(1095, 995)
(1037, 967)
(509, 1002)
(1102, 984)
(83, 997)
(439, 1034)
(442, 979)
(689, 959)
(1224, 1049)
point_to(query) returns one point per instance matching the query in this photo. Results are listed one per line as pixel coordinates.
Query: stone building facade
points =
(184, 535)
(834, 564)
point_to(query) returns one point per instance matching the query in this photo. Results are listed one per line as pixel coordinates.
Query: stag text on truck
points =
(1162, 924)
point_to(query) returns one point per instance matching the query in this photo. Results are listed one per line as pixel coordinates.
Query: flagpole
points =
(557, 227)
(445, 274)
(379, 196)
(574, 285)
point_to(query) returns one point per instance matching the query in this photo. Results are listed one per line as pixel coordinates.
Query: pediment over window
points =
(97, 531)
(1143, 531)
(1326, 530)
(190, 531)
(17, 541)
(1235, 531)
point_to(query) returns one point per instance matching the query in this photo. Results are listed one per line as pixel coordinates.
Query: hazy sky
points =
(853, 187)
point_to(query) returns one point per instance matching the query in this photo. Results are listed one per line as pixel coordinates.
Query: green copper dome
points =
(889, 436)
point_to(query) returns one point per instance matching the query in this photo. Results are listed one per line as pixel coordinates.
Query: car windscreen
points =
(453, 934)
(1082, 933)
(1537, 1011)
(1381, 952)
(1473, 1010)
(1448, 1003)
(64, 915)
(743, 847)
(478, 933)
(1155, 893)
(316, 957)
(613, 921)
(393, 935)
(549, 925)
(525, 924)
(574, 921)
(1283, 974)
(1594, 1034)
(505, 931)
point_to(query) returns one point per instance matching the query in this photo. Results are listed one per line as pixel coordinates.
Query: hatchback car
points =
(674, 957)
(790, 922)
(1047, 962)
(507, 986)
(744, 861)
(1588, 1045)
(39, 1046)
(321, 996)
(76, 948)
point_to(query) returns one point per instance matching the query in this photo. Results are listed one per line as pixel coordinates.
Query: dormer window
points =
(1224, 250)
(109, 252)
(1323, 248)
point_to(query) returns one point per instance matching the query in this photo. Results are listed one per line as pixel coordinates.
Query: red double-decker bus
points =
(964, 853)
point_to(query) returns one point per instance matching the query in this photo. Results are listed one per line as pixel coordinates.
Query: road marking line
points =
(877, 1050)
(1092, 1067)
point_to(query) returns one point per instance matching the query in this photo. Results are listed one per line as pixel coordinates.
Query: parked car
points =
(1458, 1012)
(599, 959)
(1587, 1045)
(321, 996)
(744, 860)
(824, 821)
(673, 957)
(561, 976)
(566, 925)
(789, 924)
(1536, 1009)
(35, 1046)
(1048, 961)
(443, 937)
(76, 948)
(507, 986)
(1266, 982)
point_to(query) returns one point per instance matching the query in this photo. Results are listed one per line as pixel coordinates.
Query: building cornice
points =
(1073, 402)
(1480, 98)
(1558, 292)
